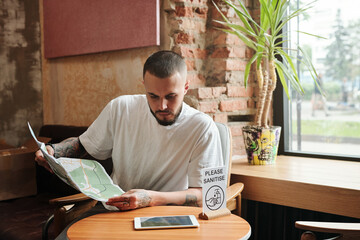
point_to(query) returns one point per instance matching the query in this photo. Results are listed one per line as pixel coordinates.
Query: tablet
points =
(157, 222)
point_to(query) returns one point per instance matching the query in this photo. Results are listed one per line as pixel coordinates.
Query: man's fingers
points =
(123, 202)
(48, 168)
(50, 150)
(121, 205)
(124, 206)
(135, 198)
(117, 199)
(39, 158)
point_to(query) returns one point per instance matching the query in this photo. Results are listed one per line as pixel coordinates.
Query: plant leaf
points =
(248, 42)
(290, 62)
(248, 67)
(313, 35)
(282, 79)
(290, 76)
(244, 17)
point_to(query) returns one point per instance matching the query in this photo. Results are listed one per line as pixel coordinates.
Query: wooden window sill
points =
(330, 186)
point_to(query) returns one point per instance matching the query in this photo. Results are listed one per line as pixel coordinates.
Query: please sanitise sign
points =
(214, 188)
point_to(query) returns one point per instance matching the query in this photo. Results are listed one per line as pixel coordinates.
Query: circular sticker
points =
(214, 197)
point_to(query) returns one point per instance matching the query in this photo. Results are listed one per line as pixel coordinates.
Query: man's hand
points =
(70, 147)
(40, 159)
(133, 199)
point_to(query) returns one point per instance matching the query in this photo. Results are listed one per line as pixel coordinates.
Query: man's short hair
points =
(163, 64)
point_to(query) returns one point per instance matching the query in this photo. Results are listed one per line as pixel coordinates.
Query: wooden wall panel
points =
(90, 26)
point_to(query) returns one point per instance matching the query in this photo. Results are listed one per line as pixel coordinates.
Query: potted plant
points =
(266, 40)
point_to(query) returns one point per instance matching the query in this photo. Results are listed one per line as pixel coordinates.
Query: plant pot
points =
(261, 144)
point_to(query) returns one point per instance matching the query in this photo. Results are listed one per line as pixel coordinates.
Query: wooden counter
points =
(330, 186)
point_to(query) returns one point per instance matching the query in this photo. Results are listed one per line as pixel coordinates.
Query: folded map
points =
(87, 176)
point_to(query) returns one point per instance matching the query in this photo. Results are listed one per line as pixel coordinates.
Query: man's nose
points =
(163, 104)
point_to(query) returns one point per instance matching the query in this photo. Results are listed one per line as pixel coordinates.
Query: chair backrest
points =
(226, 146)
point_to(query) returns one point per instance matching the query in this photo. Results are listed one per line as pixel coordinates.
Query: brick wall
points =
(216, 63)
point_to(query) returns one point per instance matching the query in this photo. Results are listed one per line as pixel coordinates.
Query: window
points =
(311, 123)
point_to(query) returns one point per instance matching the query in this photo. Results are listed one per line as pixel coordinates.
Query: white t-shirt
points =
(148, 155)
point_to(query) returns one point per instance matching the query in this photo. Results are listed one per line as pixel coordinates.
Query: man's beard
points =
(166, 122)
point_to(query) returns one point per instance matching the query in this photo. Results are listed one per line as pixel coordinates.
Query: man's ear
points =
(186, 86)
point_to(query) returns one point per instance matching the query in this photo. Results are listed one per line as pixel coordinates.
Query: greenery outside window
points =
(326, 127)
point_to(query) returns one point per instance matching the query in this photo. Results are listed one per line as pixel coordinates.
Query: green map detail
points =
(90, 178)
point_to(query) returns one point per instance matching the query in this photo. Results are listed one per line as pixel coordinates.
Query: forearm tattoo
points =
(70, 147)
(191, 200)
(144, 199)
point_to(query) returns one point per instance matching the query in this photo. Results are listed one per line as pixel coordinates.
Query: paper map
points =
(87, 176)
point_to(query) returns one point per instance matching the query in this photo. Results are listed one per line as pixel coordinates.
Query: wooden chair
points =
(233, 192)
(346, 231)
(70, 207)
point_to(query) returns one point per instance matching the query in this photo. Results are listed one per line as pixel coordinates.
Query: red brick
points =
(221, 53)
(236, 130)
(192, 1)
(190, 64)
(256, 14)
(186, 24)
(249, 91)
(208, 107)
(181, 11)
(184, 38)
(193, 92)
(229, 39)
(187, 52)
(247, 3)
(218, 91)
(256, 91)
(249, 52)
(196, 80)
(233, 105)
(217, 25)
(219, 65)
(226, 52)
(227, 11)
(239, 91)
(251, 103)
(220, 117)
(229, 64)
(201, 12)
(205, 93)
(235, 65)
(236, 91)
(221, 39)
(238, 145)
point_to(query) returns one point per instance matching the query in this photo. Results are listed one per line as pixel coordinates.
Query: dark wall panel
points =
(90, 26)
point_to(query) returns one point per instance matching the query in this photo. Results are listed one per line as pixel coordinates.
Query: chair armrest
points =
(233, 197)
(67, 209)
(330, 227)
(233, 191)
(72, 199)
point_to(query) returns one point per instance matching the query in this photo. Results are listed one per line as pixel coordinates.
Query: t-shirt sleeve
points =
(97, 139)
(207, 153)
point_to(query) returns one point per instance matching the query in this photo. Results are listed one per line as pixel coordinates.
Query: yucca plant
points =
(266, 39)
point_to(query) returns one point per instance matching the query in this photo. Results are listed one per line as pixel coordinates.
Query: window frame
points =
(280, 113)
